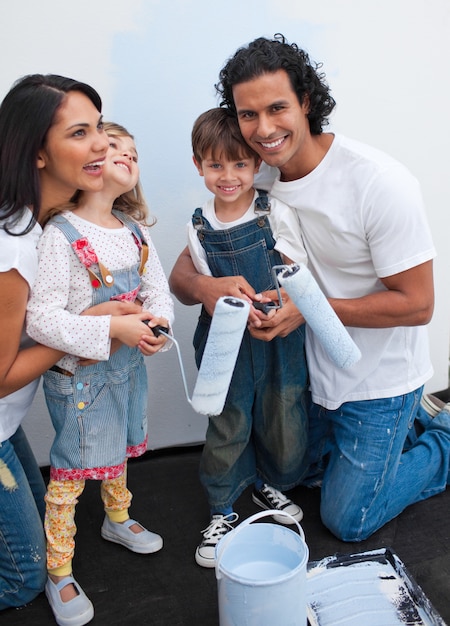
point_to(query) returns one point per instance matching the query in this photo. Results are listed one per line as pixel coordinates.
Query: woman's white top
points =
(19, 253)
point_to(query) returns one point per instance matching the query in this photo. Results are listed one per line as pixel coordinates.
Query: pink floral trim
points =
(84, 252)
(130, 296)
(98, 473)
(133, 451)
(89, 473)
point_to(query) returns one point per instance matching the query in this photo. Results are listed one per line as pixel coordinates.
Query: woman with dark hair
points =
(51, 144)
(27, 114)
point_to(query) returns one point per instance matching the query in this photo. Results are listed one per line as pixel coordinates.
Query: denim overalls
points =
(262, 430)
(100, 413)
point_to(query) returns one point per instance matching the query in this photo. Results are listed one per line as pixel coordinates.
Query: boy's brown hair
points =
(217, 132)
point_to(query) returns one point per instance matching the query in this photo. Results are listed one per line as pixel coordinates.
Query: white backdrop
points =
(155, 64)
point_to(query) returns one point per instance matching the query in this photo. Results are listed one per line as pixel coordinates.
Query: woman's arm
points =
(18, 367)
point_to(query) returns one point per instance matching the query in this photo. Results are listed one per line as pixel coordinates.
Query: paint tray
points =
(366, 589)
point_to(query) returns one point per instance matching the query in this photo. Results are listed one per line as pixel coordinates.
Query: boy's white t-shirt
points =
(362, 219)
(283, 222)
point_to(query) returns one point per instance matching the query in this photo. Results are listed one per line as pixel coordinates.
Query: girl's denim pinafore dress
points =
(262, 431)
(100, 413)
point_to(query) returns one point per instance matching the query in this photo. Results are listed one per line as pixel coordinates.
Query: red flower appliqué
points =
(84, 252)
(130, 296)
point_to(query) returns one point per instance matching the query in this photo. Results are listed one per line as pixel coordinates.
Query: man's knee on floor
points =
(347, 524)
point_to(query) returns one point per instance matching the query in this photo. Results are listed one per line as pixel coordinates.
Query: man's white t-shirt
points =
(362, 218)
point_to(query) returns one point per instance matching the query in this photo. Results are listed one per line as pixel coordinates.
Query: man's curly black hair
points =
(263, 56)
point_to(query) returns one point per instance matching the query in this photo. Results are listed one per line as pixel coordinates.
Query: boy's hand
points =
(234, 286)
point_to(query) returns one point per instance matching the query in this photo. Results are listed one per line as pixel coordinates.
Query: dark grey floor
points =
(169, 589)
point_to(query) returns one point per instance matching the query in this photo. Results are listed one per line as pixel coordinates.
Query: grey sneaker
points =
(144, 542)
(220, 525)
(270, 498)
(432, 404)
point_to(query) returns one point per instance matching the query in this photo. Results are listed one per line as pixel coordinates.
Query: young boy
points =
(261, 435)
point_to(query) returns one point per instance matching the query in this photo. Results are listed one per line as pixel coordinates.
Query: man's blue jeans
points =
(22, 540)
(372, 463)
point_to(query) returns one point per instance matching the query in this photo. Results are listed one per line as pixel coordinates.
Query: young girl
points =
(99, 250)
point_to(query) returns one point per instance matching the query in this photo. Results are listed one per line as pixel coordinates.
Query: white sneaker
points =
(270, 498)
(220, 525)
(75, 612)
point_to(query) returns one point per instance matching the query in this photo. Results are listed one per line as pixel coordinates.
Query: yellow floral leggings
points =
(61, 498)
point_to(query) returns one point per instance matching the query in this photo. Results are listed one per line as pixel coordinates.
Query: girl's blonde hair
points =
(132, 202)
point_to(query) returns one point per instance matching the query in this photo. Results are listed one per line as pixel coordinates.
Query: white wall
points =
(155, 65)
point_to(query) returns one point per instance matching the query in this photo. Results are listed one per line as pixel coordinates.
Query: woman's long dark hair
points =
(26, 115)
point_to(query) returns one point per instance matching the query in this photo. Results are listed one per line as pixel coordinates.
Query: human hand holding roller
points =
(219, 357)
(307, 296)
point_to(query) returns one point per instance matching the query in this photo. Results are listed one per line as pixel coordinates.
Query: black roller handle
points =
(158, 329)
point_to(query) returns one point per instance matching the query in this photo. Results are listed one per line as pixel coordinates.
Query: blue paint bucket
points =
(261, 574)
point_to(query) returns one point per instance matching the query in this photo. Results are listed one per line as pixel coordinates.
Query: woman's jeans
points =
(371, 462)
(22, 542)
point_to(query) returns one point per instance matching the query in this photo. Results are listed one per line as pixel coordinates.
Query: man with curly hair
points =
(373, 449)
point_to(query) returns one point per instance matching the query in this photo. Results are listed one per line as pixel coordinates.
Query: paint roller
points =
(219, 357)
(307, 296)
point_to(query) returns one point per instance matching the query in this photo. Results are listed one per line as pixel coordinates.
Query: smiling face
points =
(273, 122)
(74, 151)
(121, 170)
(231, 182)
